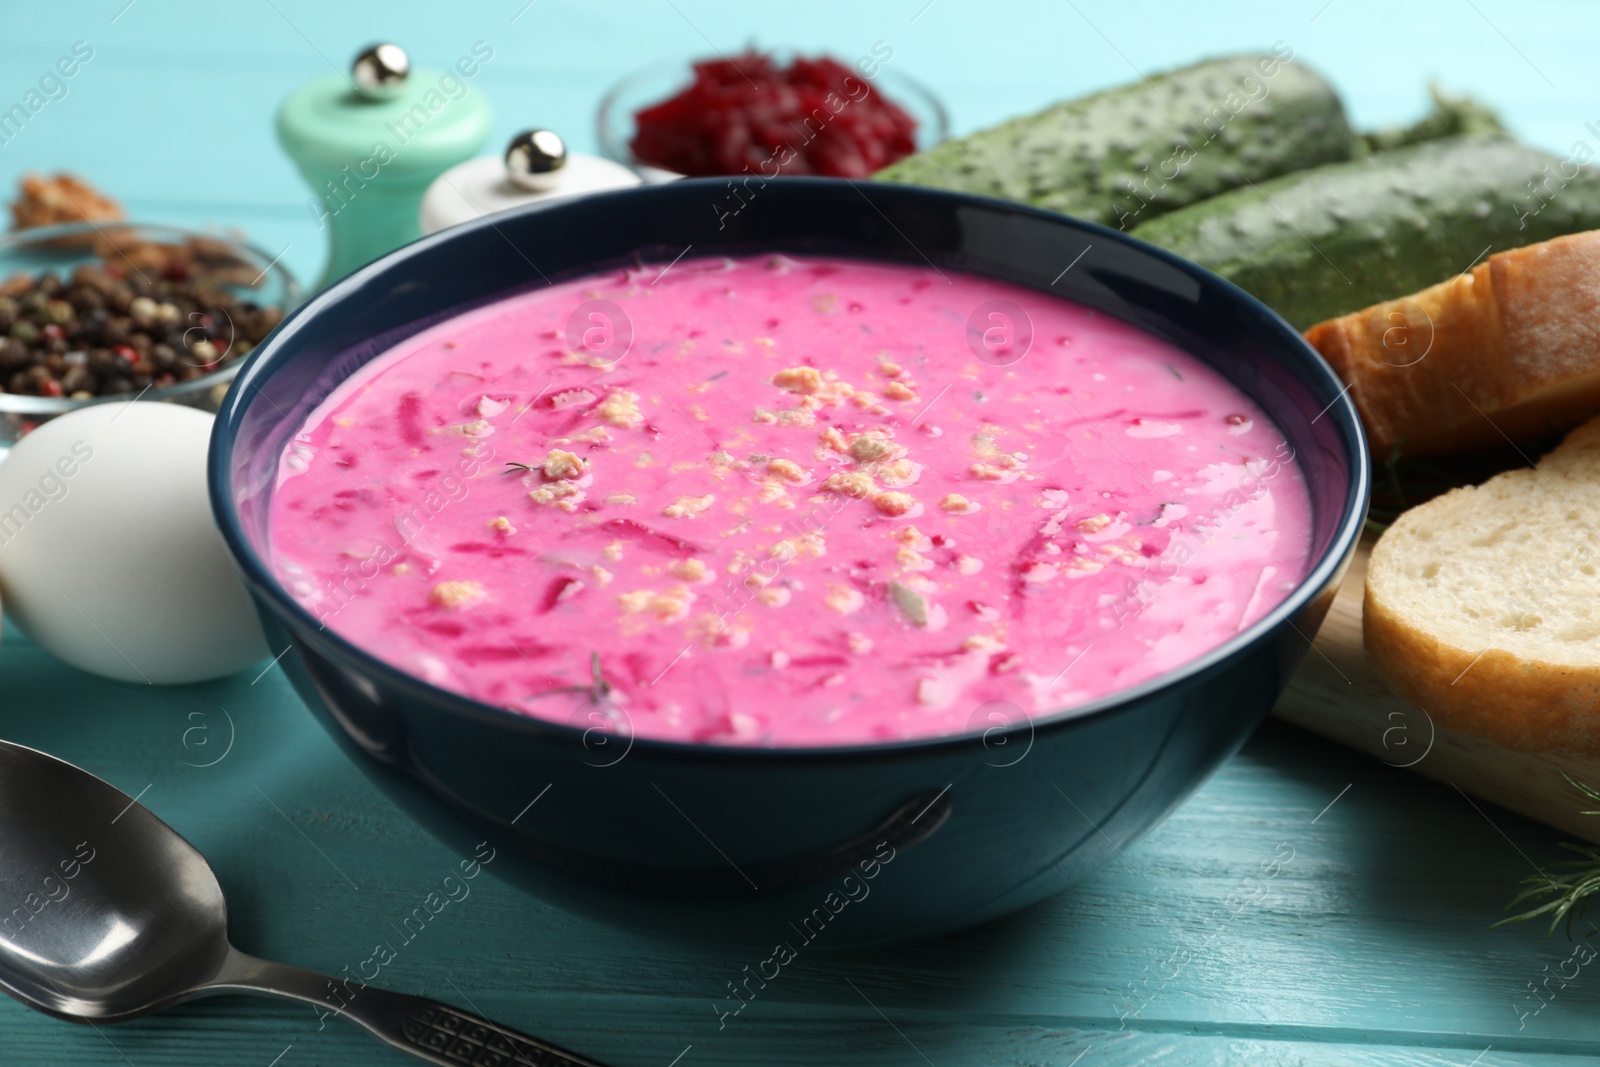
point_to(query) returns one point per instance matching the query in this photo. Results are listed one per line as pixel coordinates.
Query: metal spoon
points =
(106, 914)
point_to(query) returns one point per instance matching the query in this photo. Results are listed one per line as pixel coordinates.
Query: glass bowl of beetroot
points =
(769, 114)
(96, 313)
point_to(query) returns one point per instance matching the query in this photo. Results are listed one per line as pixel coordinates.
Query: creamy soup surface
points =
(788, 501)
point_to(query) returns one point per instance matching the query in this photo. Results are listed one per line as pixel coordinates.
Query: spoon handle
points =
(428, 1029)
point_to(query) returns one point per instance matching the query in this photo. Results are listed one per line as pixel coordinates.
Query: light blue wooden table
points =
(1369, 946)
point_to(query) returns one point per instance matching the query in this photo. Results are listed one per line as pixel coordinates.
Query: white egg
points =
(109, 556)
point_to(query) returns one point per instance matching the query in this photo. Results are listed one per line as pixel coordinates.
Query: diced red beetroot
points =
(411, 418)
(639, 667)
(493, 551)
(739, 114)
(819, 661)
(473, 655)
(647, 537)
(444, 627)
(558, 590)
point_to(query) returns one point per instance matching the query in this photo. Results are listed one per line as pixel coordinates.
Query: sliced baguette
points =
(1509, 350)
(1483, 605)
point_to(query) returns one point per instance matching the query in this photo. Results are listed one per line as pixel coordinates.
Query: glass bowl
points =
(655, 83)
(251, 275)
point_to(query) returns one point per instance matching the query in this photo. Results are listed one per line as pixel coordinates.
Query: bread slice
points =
(1483, 605)
(1509, 350)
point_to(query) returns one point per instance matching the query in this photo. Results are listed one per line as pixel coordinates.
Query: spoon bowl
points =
(107, 914)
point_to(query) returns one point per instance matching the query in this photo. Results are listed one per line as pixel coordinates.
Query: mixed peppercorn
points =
(160, 317)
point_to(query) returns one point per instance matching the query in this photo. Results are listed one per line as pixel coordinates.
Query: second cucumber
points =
(1338, 238)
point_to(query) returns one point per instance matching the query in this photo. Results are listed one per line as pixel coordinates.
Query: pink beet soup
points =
(787, 501)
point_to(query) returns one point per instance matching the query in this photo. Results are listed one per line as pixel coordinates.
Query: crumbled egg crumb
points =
(872, 447)
(894, 503)
(912, 560)
(621, 409)
(788, 470)
(690, 570)
(899, 473)
(563, 494)
(669, 606)
(502, 524)
(844, 599)
(1078, 567)
(855, 484)
(475, 428)
(955, 502)
(562, 464)
(785, 417)
(805, 380)
(716, 631)
(687, 507)
(456, 595)
(806, 546)
(912, 538)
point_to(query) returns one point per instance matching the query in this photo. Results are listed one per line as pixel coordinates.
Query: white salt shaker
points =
(536, 166)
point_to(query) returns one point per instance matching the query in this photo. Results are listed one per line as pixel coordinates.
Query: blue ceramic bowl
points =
(819, 848)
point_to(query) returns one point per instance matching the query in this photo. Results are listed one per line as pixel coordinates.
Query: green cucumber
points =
(1334, 239)
(1128, 154)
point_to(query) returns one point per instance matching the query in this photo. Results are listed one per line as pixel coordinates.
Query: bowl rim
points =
(1319, 576)
(23, 404)
(620, 153)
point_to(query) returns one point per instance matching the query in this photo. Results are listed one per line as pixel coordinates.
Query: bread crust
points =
(1521, 704)
(1509, 350)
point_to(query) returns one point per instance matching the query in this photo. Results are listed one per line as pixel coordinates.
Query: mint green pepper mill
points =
(369, 143)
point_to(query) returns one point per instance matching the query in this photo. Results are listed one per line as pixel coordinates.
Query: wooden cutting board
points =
(1336, 693)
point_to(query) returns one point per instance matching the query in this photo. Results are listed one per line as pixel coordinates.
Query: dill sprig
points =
(599, 689)
(1564, 888)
